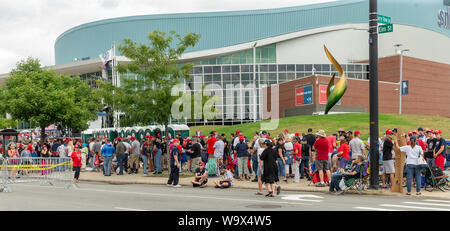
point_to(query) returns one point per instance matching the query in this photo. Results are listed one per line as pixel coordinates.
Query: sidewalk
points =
(185, 180)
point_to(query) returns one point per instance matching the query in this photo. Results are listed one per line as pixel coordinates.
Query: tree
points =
(42, 97)
(148, 99)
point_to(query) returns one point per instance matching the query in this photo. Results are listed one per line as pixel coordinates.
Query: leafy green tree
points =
(42, 97)
(148, 99)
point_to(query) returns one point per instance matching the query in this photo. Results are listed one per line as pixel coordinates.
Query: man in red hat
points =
(175, 165)
(357, 147)
(200, 176)
(440, 150)
(135, 153)
(431, 141)
(388, 159)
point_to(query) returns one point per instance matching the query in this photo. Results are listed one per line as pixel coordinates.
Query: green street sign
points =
(384, 19)
(385, 28)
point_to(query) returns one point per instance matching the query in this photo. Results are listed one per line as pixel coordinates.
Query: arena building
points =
(242, 52)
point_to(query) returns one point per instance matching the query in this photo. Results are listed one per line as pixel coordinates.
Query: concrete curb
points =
(238, 185)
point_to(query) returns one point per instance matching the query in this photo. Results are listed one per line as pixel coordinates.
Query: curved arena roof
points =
(220, 29)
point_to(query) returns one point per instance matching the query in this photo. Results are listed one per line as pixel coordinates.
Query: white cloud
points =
(30, 27)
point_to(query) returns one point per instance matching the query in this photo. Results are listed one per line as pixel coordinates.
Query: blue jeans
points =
(413, 171)
(304, 164)
(447, 164)
(281, 168)
(120, 159)
(158, 161)
(91, 162)
(145, 160)
(335, 180)
(107, 160)
(255, 164)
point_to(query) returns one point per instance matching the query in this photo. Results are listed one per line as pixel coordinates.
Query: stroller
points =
(435, 179)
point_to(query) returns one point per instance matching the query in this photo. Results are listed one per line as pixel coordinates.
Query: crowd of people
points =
(262, 158)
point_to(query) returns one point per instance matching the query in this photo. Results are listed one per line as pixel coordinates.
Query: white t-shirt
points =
(412, 154)
(356, 147)
(128, 146)
(219, 146)
(258, 147)
(288, 146)
(228, 175)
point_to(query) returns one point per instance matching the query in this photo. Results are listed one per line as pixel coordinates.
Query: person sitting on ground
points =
(227, 178)
(200, 176)
(353, 173)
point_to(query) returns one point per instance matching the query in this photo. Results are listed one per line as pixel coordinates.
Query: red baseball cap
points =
(389, 131)
(237, 131)
(357, 132)
(147, 136)
(286, 130)
(437, 131)
(202, 163)
(118, 138)
(179, 133)
(414, 132)
(297, 134)
(241, 138)
(145, 143)
(410, 133)
(132, 138)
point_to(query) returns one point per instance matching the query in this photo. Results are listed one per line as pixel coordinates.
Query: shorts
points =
(229, 184)
(260, 170)
(322, 165)
(188, 156)
(388, 166)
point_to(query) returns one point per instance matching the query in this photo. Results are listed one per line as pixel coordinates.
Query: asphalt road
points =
(135, 197)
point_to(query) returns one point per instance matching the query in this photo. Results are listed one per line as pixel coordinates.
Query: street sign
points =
(385, 28)
(102, 114)
(384, 19)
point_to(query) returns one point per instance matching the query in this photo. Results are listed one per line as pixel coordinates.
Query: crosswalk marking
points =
(424, 203)
(414, 207)
(377, 209)
(442, 201)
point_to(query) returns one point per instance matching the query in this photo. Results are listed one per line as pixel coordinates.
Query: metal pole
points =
(401, 84)
(373, 61)
(254, 82)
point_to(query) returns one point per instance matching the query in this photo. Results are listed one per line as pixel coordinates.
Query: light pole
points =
(254, 82)
(400, 51)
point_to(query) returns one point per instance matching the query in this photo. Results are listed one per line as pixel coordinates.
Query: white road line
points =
(431, 204)
(414, 207)
(184, 196)
(442, 201)
(119, 208)
(377, 209)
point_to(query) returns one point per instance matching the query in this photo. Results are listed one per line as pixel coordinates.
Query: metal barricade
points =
(36, 169)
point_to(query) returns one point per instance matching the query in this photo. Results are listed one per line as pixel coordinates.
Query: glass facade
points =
(235, 86)
(265, 54)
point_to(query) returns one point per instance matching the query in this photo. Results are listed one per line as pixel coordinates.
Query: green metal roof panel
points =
(219, 29)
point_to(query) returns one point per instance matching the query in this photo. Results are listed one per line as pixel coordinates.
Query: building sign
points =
(405, 85)
(303, 96)
(444, 18)
(323, 95)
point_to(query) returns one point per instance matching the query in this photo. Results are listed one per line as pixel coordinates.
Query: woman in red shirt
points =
(76, 158)
(343, 154)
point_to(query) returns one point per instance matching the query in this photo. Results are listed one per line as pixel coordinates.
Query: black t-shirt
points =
(197, 150)
(310, 139)
(356, 168)
(305, 151)
(387, 149)
(200, 173)
(431, 143)
(439, 143)
(283, 150)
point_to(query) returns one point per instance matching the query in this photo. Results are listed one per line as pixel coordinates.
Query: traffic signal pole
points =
(373, 91)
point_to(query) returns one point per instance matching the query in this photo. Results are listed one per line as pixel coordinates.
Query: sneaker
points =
(145, 174)
(320, 185)
(169, 185)
(203, 186)
(177, 186)
(255, 180)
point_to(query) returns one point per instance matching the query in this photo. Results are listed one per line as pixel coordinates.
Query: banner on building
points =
(303, 96)
(323, 95)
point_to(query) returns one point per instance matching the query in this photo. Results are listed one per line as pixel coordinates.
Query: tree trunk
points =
(43, 135)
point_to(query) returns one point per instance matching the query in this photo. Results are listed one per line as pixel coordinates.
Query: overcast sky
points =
(30, 27)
